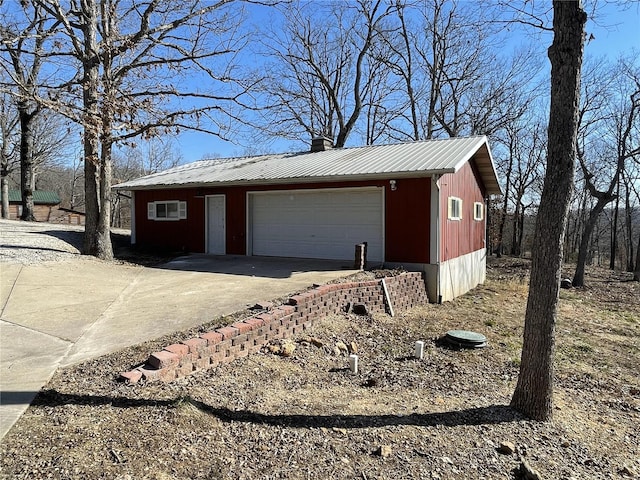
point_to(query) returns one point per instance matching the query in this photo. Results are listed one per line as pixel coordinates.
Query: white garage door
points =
(317, 224)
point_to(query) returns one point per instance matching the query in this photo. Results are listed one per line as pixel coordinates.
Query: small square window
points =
(455, 208)
(171, 210)
(478, 211)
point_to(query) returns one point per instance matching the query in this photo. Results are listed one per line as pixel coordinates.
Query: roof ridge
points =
(355, 147)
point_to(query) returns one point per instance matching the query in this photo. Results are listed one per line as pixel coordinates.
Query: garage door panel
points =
(324, 224)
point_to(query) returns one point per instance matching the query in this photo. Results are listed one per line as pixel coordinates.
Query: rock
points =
(284, 348)
(566, 283)
(383, 451)
(340, 430)
(342, 347)
(565, 444)
(134, 376)
(360, 309)
(370, 382)
(287, 347)
(627, 472)
(263, 306)
(506, 448)
(353, 347)
(528, 473)
(315, 342)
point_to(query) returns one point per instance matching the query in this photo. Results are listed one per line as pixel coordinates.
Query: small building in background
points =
(45, 205)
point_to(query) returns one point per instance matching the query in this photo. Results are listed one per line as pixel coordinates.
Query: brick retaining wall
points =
(239, 339)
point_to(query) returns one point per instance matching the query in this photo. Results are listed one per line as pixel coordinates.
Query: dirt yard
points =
(307, 416)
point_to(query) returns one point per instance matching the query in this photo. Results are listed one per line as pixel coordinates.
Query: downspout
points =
(133, 217)
(436, 233)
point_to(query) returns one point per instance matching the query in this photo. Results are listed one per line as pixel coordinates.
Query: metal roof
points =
(40, 197)
(414, 159)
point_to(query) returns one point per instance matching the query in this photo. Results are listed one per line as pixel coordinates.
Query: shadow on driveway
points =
(268, 267)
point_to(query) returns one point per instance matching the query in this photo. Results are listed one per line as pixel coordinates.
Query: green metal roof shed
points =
(40, 197)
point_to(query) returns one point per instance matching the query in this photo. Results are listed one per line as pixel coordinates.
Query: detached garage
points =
(420, 205)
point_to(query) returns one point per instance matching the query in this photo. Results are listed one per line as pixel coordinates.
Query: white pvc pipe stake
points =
(353, 363)
(419, 350)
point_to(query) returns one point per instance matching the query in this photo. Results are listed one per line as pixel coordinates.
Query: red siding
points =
(407, 217)
(186, 235)
(460, 237)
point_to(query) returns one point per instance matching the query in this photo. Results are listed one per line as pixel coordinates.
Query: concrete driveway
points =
(60, 313)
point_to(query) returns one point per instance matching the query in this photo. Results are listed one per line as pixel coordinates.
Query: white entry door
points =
(317, 223)
(216, 234)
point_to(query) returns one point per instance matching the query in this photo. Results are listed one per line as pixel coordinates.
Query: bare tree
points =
(23, 52)
(473, 87)
(613, 123)
(147, 157)
(631, 194)
(55, 140)
(322, 71)
(50, 145)
(534, 391)
(521, 168)
(9, 149)
(134, 58)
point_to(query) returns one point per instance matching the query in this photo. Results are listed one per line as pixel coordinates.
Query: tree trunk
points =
(614, 232)
(583, 251)
(4, 184)
(505, 202)
(523, 212)
(516, 237)
(27, 180)
(91, 66)
(628, 221)
(636, 272)
(533, 395)
(104, 248)
(103, 232)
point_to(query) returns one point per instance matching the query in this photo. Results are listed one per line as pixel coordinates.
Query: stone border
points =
(239, 339)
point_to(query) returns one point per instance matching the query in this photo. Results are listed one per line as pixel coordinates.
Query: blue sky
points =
(615, 30)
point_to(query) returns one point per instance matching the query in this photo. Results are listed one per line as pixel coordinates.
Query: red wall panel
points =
(185, 235)
(460, 237)
(407, 220)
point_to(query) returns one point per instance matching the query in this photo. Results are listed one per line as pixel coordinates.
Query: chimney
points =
(320, 144)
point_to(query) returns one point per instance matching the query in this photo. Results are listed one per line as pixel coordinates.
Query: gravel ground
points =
(31, 242)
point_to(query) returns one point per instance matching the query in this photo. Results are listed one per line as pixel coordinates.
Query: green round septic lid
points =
(464, 336)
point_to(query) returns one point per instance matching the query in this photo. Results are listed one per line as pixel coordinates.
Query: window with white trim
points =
(455, 208)
(478, 211)
(167, 210)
